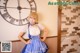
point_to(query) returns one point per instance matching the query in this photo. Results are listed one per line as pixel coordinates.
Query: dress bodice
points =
(34, 30)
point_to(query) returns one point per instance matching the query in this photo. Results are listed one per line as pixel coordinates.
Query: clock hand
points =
(20, 14)
(18, 3)
(2, 7)
(19, 17)
(25, 8)
(19, 8)
(12, 7)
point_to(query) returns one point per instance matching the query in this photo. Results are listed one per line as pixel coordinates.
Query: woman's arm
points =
(20, 37)
(44, 34)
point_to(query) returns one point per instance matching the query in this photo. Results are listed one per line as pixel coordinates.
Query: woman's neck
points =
(33, 24)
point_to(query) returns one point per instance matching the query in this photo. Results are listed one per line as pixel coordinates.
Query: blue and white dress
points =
(36, 45)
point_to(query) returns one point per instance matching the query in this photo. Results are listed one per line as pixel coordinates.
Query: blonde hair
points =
(34, 15)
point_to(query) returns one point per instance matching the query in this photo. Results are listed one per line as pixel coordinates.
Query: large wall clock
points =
(16, 11)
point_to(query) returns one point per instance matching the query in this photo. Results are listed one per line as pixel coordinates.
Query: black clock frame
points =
(19, 8)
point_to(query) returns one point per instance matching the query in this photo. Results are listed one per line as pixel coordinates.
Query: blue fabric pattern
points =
(35, 46)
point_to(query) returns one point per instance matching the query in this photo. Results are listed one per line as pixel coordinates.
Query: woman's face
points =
(32, 20)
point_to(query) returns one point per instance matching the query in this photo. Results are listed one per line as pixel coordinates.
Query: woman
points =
(35, 44)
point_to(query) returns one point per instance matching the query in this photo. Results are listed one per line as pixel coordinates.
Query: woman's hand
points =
(42, 39)
(29, 41)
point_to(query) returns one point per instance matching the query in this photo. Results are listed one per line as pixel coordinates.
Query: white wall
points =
(48, 15)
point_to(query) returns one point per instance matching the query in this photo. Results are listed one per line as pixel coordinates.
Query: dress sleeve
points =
(41, 26)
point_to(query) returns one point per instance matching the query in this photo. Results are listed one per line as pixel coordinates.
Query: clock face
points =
(17, 11)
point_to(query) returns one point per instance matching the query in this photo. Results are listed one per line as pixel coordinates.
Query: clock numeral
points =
(5, 15)
(2, 7)
(12, 20)
(33, 9)
(26, 19)
(20, 22)
(5, 10)
(32, 4)
(30, 1)
(5, 0)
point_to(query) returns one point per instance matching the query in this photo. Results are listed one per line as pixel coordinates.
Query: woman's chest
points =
(34, 30)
